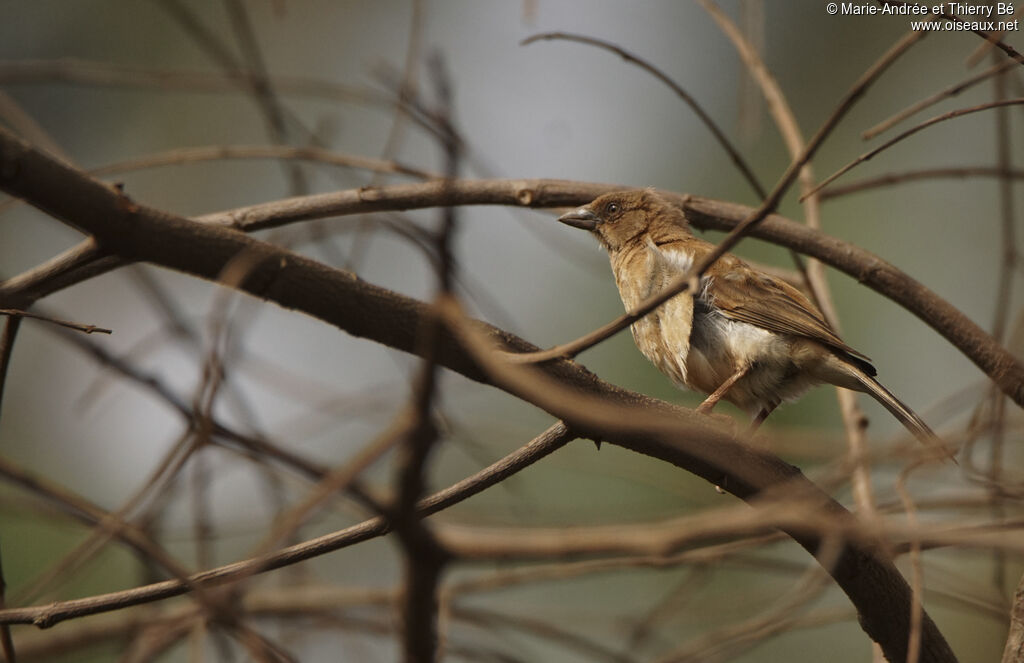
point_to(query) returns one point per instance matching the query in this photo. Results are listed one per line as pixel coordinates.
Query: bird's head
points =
(621, 217)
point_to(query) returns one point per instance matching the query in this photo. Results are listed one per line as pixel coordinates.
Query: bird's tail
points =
(913, 423)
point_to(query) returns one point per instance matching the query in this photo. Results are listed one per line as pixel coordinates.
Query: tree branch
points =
(135, 232)
(706, 213)
(555, 437)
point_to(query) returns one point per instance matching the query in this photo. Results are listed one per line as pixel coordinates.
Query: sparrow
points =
(744, 336)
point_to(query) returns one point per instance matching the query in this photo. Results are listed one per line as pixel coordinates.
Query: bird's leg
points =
(712, 400)
(761, 416)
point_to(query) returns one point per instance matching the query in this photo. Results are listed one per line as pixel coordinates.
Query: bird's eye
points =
(611, 208)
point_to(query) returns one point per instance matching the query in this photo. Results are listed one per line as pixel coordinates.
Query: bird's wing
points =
(744, 294)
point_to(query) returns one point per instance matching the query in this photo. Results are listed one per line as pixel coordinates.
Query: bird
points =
(743, 335)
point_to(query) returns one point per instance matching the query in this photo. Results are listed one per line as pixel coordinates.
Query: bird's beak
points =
(580, 218)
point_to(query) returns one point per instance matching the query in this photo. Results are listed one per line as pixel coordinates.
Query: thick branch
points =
(706, 213)
(135, 232)
(1001, 367)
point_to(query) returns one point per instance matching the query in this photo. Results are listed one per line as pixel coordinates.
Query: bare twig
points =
(686, 533)
(727, 642)
(7, 338)
(185, 155)
(76, 71)
(917, 572)
(253, 79)
(72, 266)
(113, 525)
(910, 132)
(1008, 263)
(24, 124)
(264, 94)
(550, 440)
(425, 559)
(785, 119)
(180, 239)
(408, 86)
(675, 87)
(77, 326)
(951, 91)
(585, 646)
(1001, 45)
(1007, 211)
(917, 175)
(992, 38)
(656, 435)
(687, 282)
(82, 509)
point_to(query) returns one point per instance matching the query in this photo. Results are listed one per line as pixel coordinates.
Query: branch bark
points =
(1014, 650)
(138, 233)
(706, 213)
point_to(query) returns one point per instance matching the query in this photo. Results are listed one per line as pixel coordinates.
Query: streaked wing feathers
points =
(774, 305)
(746, 295)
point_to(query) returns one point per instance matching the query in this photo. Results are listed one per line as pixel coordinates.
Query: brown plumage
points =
(745, 336)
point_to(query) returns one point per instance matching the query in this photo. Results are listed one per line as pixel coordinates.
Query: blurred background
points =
(102, 83)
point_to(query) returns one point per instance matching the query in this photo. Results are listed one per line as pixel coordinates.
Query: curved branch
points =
(719, 135)
(888, 179)
(705, 213)
(555, 437)
(135, 232)
(870, 154)
(977, 345)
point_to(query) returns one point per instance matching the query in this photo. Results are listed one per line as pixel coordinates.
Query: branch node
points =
(525, 196)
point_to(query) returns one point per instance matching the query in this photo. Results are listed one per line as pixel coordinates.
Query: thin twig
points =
(1007, 265)
(733, 153)
(424, 558)
(79, 263)
(992, 38)
(1001, 45)
(951, 91)
(550, 440)
(119, 528)
(82, 509)
(186, 155)
(588, 648)
(407, 88)
(77, 326)
(917, 572)
(727, 642)
(179, 239)
(889, 179)
(275, 115)
(77, 71)
(910, 132)
(688, 281)
(669, 537)
(263, 91)
(49, 184)
(785, 119)
(7, 338)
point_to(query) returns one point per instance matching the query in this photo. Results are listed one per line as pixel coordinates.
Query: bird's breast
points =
(663, 336)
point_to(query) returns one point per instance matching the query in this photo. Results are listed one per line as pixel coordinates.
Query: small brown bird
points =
(744, 336)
